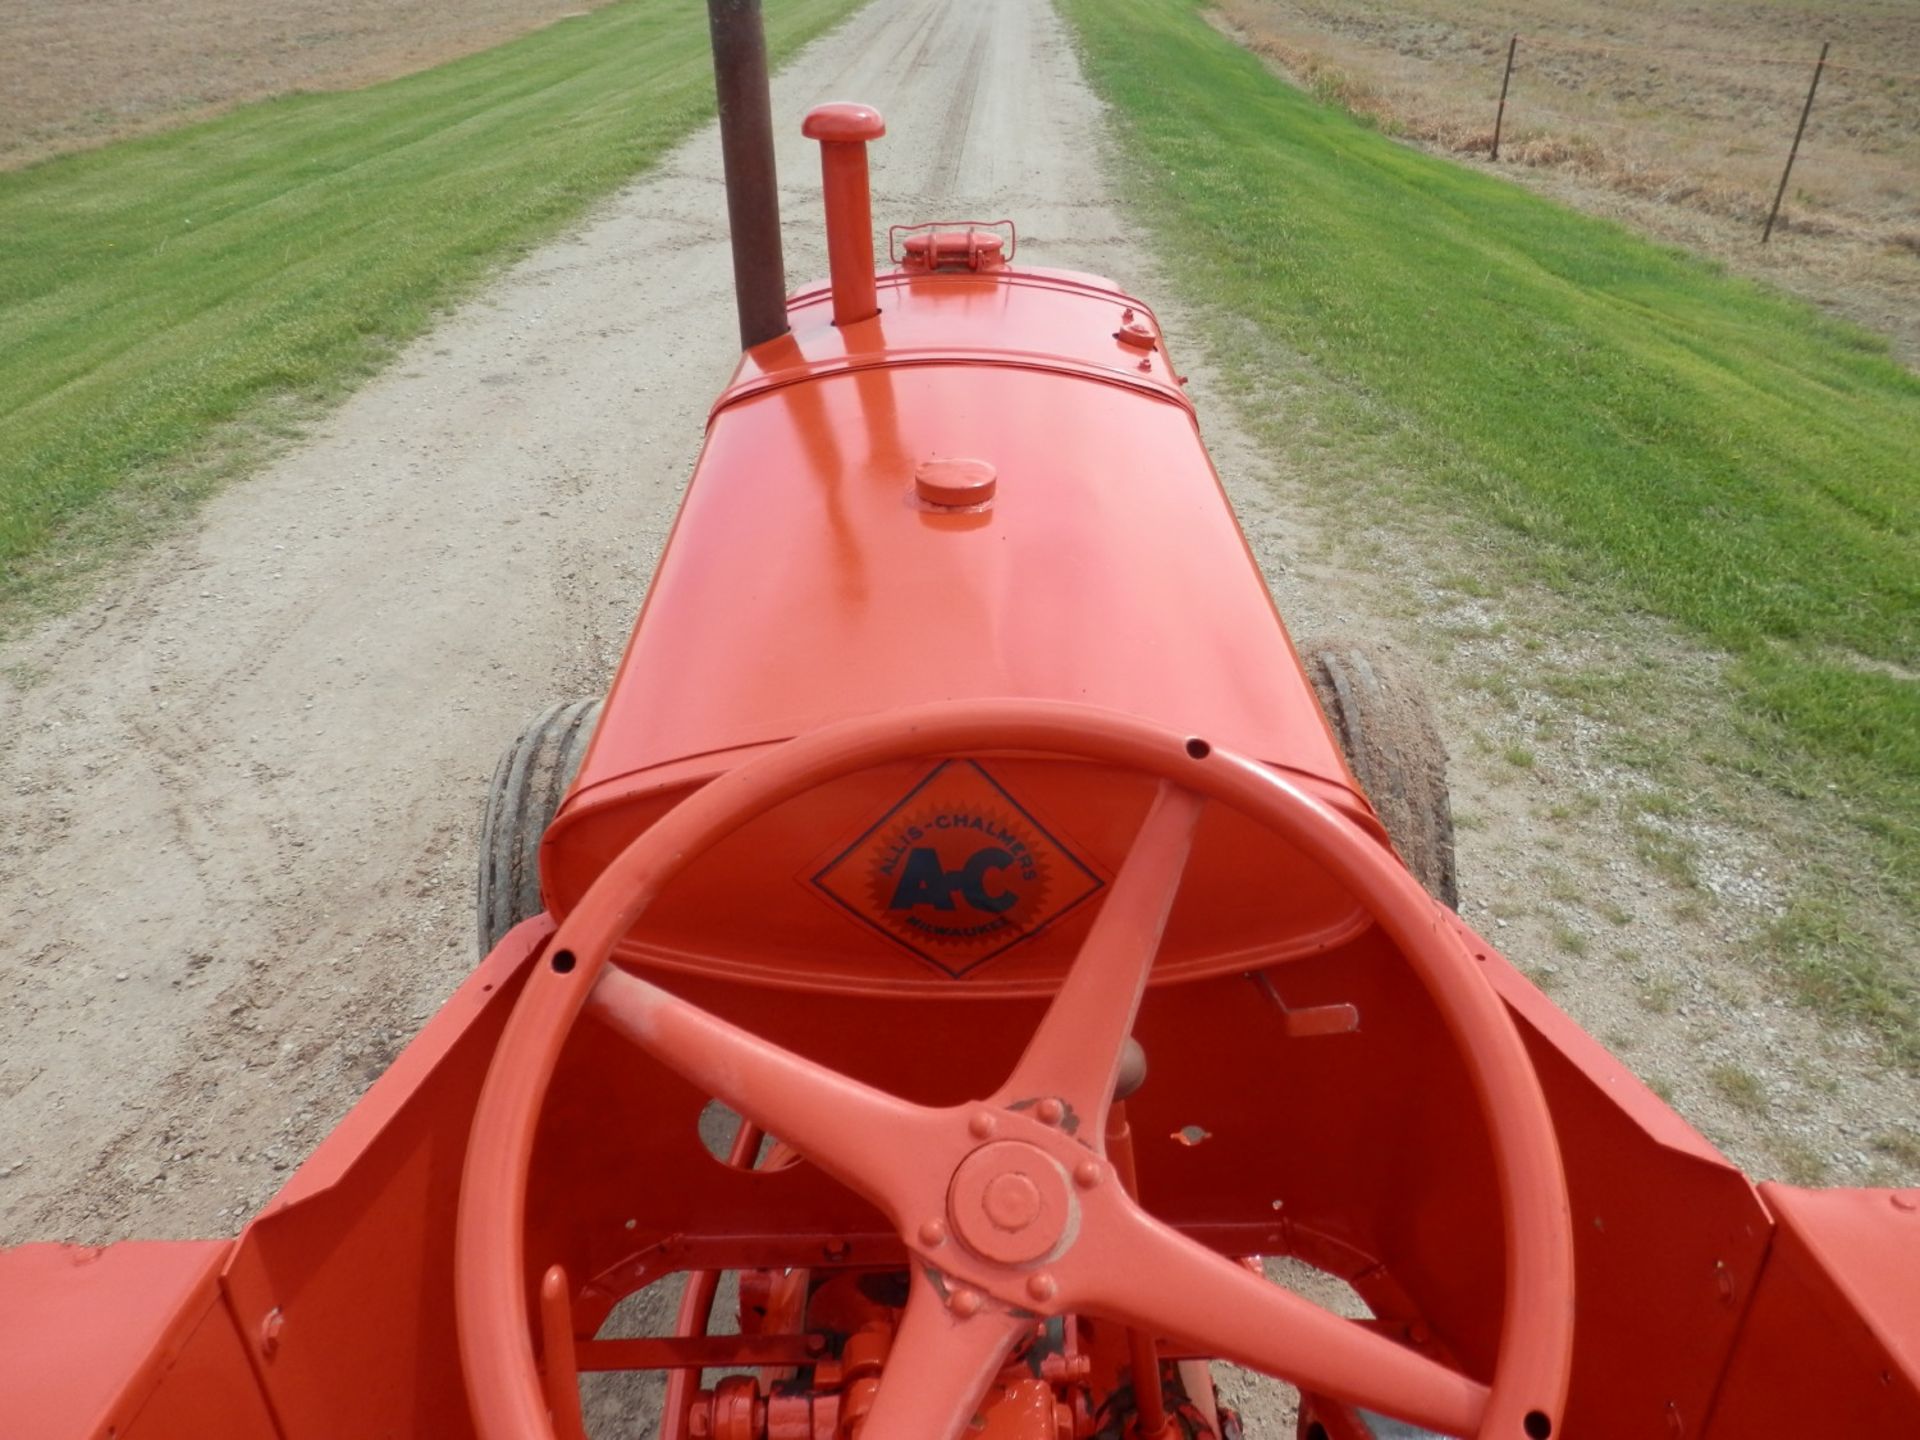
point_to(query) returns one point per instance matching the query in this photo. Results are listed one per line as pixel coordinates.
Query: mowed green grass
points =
(154, 291)
(1683, 442)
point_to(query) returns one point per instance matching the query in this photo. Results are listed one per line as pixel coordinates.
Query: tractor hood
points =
(973, 494)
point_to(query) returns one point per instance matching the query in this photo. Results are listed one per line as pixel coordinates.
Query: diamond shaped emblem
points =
(958, 871)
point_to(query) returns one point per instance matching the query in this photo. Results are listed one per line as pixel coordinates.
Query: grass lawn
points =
(153, 293)
(1678, 441)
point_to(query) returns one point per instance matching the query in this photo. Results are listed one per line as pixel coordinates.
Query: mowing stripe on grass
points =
(153, 290)
(1692, 444)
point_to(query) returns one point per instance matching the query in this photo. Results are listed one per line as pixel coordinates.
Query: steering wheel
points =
(1008, 1207)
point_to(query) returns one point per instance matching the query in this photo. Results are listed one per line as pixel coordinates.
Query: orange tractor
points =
(964, 822)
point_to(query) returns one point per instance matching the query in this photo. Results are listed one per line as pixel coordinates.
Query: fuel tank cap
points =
(955, 484)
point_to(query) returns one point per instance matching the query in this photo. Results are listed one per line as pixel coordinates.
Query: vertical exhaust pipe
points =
(746, 150)
(843, 131)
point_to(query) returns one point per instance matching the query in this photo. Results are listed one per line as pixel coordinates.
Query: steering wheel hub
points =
(1010, 1202)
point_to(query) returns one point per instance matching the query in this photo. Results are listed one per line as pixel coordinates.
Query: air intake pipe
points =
(843, 131)
(746, 152)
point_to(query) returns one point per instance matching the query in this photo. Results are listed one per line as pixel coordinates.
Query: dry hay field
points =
(1674, 117)
(75, 73)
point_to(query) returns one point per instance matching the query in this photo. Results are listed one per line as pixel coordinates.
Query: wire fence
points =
(1679, 57)
(1553, 42)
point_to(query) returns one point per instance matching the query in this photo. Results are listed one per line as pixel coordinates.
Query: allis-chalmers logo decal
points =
(957, 871)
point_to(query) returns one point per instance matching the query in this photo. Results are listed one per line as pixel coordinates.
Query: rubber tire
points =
(528, 785)
(1385, 728)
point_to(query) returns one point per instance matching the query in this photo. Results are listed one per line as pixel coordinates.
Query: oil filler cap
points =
(955, 484)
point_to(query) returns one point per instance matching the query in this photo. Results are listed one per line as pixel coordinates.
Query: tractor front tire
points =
(528, 785)
(1386, 731)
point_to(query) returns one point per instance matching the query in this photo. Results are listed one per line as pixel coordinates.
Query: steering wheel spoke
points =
(1074, 1056)
(1155, 1279)
(865, 1138)
(950, 1345)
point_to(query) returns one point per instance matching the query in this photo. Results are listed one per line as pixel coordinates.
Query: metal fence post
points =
(1805, 110)
(1500, 115)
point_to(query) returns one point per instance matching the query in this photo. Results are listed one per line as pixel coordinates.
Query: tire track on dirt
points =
(959, 123)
